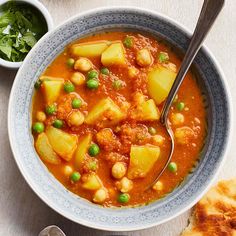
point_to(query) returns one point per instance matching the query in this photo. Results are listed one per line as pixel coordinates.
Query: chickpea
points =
(76, 118)
(177, 118)
(158, 139)
(132, 72)
(171, 66)
(68, 170)
(119, 170)
(125, 185)
(41, 116)
(144, 57)
(158, 186)
(100, 195)
(183, 135)
(77, 78)
(83, 64)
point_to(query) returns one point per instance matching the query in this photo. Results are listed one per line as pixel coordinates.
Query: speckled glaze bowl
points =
(214, 89)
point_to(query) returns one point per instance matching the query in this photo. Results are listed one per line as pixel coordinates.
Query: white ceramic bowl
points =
(48, 18)
(217, 102)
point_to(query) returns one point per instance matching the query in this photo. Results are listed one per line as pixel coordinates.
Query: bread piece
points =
(215, 213)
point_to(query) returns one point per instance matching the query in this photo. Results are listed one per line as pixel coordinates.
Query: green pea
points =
(105, 71)
(94, 150)
(51, 109)
(38, 127)
(76, 103)
(180, 106)
(172, 167)
(123, 198)
(69, 87)
(163, 57)
(92, 83)
(93, 165)
(75, 176)
(58, 124)
(70, 62)
(117, 84)
(92, 74)
(37, 84)
(128, 42)
(152, 130)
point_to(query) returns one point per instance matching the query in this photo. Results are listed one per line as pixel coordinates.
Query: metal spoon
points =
(210, 11)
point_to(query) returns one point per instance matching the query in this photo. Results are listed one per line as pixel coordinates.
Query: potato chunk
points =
(92, 182)
(45, 150)
(142, 160)
(144, 110)
(51, 89)
(92, 49)
(114, 55)
(160, 81)
(105, 111)
(63, 144)
(82, 149)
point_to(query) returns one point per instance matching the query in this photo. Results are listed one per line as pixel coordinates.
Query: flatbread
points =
(215, 213)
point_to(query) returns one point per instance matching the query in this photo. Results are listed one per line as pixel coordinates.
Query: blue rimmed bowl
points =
(210, 79)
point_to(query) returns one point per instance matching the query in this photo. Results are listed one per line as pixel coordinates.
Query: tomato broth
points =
(105, 92)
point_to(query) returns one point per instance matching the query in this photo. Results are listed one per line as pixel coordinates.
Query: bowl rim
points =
(224, 153)
(48, 18)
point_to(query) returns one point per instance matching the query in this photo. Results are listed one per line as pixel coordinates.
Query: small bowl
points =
(46, 15)
(217, 101)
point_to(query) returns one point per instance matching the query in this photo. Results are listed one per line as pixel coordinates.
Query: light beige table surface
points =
(22, 213)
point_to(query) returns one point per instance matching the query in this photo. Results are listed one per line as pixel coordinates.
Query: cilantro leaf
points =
(20, 28)
(29, 39)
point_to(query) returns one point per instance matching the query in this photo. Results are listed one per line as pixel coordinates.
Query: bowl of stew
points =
(84, 119)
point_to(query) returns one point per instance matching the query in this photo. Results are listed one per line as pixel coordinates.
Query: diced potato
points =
(92, 182)
(144, 110)
(45, 150)
(160, 81)
(91, 49)
(150, 111)
(63, 144)
(142, 160)
(51, 89)
(114, 55)
(82, 149)
(106, 111)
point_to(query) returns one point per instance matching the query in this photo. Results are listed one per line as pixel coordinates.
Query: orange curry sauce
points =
(185, 155)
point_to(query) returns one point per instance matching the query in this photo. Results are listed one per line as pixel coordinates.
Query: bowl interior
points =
(49, 189)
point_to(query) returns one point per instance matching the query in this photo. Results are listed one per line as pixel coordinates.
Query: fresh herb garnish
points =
(21, 27)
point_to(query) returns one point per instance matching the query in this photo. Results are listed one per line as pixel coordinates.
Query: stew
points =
(95, 119)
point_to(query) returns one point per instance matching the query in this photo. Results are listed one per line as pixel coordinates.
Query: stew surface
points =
(95, 119)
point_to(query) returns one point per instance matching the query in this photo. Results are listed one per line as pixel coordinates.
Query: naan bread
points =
(215, 213)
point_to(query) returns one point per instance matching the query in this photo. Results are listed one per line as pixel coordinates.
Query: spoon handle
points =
(210, 11)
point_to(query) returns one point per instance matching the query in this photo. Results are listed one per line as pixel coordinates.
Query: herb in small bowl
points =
(21, 26)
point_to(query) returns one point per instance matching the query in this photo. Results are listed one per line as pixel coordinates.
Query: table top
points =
(22, 213)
